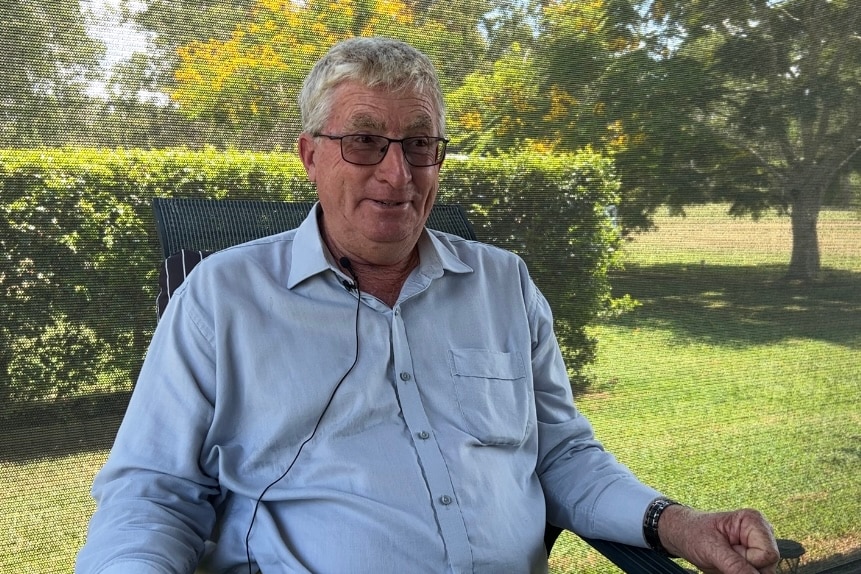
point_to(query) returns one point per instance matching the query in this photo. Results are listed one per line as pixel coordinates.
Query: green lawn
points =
(729, 387)
(726, 388)
(45, 507)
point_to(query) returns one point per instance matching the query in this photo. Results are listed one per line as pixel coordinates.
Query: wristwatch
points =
(650, 523)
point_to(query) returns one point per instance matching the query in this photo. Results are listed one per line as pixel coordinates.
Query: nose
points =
(394, 167)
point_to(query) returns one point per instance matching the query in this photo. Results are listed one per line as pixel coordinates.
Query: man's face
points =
(374, 213)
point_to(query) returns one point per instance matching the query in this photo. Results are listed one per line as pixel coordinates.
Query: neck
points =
(382, 280)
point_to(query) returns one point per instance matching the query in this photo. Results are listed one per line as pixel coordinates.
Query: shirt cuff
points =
(618, 513)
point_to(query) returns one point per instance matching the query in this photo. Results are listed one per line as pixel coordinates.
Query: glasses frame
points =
(438, 140)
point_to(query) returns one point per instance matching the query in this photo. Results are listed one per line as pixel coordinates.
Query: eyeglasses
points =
(365, 149)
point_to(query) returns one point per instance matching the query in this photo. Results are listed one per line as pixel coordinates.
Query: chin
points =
(394, 234)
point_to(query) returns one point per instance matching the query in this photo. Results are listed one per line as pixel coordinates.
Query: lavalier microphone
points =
(348, 266)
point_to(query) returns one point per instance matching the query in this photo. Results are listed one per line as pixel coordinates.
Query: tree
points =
(541, 92)
(247, 84)
(787, 105)
(170, 24)
(135, 113)
(496, 111)
(509, 23)
(755, 102)
(46, 62)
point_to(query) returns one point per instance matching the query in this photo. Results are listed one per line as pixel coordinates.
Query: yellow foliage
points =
(542, 147)
(582, 16)
(470, 121)
(275, 5)
(393, 9)
(279, 35)
(343, 8)
(618, 139)
(561, 103)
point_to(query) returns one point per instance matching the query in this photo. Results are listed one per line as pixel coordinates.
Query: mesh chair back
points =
(214, 224)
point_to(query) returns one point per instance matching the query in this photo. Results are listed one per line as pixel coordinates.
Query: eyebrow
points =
(370, 123)
(420, 123)
(366, 122)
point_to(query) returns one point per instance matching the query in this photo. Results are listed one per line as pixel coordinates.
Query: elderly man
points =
(362, 394)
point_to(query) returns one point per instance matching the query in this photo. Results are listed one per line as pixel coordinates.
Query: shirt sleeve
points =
(586, 489)
(154, 500)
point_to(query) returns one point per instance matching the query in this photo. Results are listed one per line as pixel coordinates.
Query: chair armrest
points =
(630, 559)
(635, 560)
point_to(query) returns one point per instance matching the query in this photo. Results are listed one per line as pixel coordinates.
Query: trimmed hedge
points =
(79, 252)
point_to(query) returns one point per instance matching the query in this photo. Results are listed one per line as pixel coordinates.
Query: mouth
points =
(389, 203)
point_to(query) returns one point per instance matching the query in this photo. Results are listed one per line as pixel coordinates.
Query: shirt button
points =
(424, 435)
(445, 500)
(405, 376)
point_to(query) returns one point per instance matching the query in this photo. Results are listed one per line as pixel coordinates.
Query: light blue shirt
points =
(437, 452)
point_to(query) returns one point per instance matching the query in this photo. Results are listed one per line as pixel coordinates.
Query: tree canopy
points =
(754, 102)
(788, 103)
(46, 60)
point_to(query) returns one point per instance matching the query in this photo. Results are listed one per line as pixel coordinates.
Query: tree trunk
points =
(805, 264)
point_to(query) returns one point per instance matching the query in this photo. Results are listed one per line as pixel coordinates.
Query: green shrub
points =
(79, 252)
(551, 210)
(54, 363)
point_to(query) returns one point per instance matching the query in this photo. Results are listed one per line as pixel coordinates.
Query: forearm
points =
(586, 489)
(139, 537)
(153, 495)
(589, 492)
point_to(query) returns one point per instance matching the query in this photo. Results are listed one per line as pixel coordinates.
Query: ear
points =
(307, 148)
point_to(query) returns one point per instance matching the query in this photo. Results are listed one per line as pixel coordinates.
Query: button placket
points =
(437, 478)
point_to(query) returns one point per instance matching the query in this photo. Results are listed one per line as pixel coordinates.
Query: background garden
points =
(717, 352)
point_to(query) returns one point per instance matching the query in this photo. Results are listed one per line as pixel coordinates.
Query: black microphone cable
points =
(345, 263)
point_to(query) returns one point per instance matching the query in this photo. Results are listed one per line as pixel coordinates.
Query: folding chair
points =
(189, 229)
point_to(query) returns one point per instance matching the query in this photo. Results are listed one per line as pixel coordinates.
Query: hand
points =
(738, 542)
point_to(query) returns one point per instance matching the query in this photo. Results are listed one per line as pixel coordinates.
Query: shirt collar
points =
(310, 255)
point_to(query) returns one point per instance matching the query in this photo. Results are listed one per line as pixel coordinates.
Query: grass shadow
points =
(742, 305)
(62, 428)
(841, 563)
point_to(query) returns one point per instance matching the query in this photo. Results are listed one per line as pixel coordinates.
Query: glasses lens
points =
(424, 151)
(364, 149)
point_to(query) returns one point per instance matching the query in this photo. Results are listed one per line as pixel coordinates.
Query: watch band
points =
(650, 523)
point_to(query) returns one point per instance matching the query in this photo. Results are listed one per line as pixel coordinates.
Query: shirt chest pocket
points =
(492, 392)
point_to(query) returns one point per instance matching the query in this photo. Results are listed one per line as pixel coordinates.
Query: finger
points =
(733, 560)
(763, 563)
(762, 558)
(759, 548)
